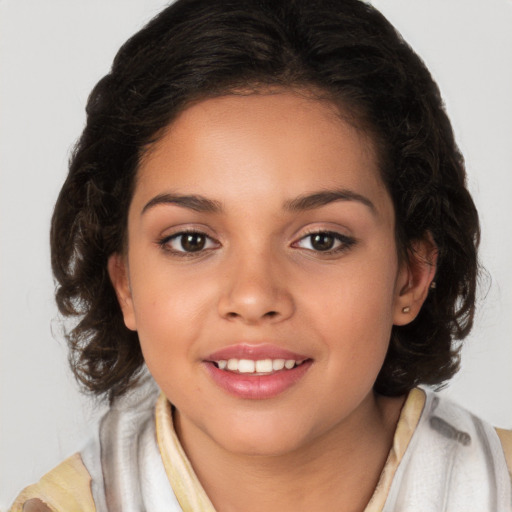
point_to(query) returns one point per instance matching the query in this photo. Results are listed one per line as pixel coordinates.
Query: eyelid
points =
(345, 242)
(164, 242)
(184, 228)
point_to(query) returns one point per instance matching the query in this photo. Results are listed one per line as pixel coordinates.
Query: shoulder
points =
(66, 487)
(476, 440)
(454, 458)
(502, 437)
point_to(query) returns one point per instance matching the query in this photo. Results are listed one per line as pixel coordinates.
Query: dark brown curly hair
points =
(196, 49)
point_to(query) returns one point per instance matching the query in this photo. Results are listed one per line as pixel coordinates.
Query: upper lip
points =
(255, 352)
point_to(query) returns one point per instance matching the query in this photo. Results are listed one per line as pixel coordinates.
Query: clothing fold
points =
(443, 459)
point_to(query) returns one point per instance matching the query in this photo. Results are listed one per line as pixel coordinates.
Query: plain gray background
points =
(51, 55)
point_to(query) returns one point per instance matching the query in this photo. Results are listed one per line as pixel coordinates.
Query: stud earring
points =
(433, 285)
(406, 309)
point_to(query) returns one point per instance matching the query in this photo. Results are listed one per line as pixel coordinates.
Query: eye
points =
(188, 242)
(325, 241)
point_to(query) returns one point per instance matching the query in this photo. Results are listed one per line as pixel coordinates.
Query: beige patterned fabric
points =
(506, 441)
(67, 488)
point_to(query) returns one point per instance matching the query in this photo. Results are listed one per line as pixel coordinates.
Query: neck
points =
(342, 466)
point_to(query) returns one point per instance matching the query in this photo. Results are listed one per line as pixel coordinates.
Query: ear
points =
(415, 279)
(118, 272)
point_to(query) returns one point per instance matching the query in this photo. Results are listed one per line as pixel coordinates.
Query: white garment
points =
(454, 462)
(124, 460)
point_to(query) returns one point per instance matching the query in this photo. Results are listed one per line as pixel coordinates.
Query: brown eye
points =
(193, 242)
(188, 242)
(328, 242)
(322, 241)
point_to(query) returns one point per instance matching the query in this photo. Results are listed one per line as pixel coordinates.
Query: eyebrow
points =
(324, 197)
(193, 202)
(202, 204)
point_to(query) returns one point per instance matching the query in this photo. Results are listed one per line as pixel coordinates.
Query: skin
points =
(259, 279)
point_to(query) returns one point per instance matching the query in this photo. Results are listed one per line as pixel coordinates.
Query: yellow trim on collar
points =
(189, 492)
(407, 423)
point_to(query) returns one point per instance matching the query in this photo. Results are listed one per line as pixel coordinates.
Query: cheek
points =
(170, 308)
(353, 311)
(360, 294)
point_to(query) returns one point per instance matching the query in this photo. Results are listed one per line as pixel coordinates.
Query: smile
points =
(257, 367)
(256, 372)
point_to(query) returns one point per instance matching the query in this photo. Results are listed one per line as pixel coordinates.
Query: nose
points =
(255, 291)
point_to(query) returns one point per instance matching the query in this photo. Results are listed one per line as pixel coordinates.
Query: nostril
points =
(232, 315)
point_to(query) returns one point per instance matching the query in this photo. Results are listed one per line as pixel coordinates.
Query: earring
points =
(433, 285)
(406, 309)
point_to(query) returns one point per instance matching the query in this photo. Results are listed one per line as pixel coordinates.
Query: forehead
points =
(276, 145)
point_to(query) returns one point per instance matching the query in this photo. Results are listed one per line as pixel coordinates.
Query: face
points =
(261, 272)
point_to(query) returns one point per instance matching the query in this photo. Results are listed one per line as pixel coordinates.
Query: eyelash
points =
(344, 243)
(164, 243)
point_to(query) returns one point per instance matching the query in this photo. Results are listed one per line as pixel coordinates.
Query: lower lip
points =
(257, 387)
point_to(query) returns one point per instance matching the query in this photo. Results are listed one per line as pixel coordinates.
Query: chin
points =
(263, 438)
(256, 446)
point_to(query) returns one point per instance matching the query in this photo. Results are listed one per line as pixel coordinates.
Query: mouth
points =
(256, 372)
(257, 367)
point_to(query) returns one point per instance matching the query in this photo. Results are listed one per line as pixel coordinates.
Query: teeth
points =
(246, 366)
(278, 364)
(259, 366)
(264, 366)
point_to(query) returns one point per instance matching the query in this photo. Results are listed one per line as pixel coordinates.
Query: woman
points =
(271, 183)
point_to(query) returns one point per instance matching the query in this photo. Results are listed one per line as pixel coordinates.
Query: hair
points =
(198, 49)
